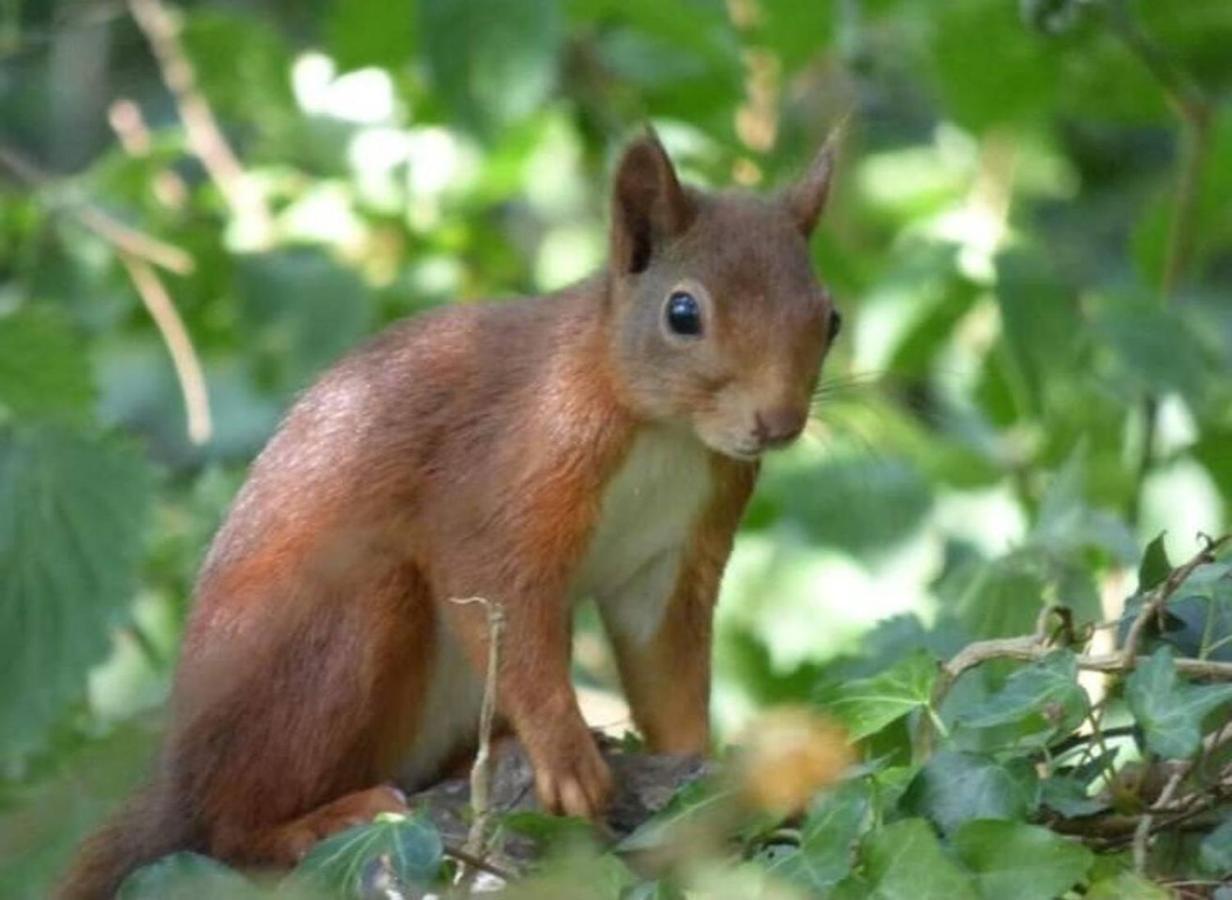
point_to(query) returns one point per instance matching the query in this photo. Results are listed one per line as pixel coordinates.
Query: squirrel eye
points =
(835, 325)
(684, 314)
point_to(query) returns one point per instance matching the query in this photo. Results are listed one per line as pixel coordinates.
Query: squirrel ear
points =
(648, 204)
(806, 199)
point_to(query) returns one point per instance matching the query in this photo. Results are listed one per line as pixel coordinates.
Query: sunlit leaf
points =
(866, 705)
(1015, 861)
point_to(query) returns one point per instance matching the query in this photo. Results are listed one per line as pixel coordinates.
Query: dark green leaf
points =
(1014, 861)
(1155, 566)
(44, 369)
(1215, 851)
(1069, 796)
(493, 62)
(954, 788)
(1043, 698)
(186, 876)
(72, 515)
(904, 861)
(1169, 710)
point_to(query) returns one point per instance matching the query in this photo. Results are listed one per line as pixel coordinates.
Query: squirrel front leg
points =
(535, 694)
(665, 665)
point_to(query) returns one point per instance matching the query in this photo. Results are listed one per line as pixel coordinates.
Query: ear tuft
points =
(806, 198)
(649, 206)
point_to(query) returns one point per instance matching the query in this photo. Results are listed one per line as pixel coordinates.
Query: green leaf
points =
(302, 310)
(405, 848)
(1215, 851)
(1169, 710)
(1042, 697)
(493, 62)
(866, 705)
(831, 828)
(1155, 566)
(72, 515)
(44, 370)
(904, 861)
(954, 788)
(1014, 861)
(372, 33)
(186, 876)
(1069, 796)
(1125, 885)
(691, 806)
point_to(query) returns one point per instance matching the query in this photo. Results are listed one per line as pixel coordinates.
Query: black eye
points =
(684, 314)
(835, 324)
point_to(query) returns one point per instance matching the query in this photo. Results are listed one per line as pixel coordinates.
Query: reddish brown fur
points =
(466, 452)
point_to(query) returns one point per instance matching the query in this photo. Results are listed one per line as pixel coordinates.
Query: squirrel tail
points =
(142, 830)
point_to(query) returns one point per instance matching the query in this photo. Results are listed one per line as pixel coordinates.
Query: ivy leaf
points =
(1045, 696)
(405, 848)
(904, 861)
(186, 876)
(1125, 885)
(1169, 710)
(72, 513)
(44, 372)
(954, 788)
(1068, 796)
(1015, 861)
(824, 855)
(1215, 851)
(1155, 566)
(866, 705)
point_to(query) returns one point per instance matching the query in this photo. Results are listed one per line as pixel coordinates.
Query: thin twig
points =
(478, 862)
(204, 135)
(481, 771)
(1142, 833)
(187, 366)
(121, 236)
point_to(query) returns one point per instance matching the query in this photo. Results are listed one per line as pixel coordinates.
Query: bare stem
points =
(188, 370)
(202, 129)
(481, 771)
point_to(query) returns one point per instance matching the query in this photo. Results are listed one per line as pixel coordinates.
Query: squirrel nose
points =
(776, 427)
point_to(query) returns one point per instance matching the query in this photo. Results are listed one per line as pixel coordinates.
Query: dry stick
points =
(188, 371)
(204, 135)
(478, 862)
(110, 229)
(481, 771)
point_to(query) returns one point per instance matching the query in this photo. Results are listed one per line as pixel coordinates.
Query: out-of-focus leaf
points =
(404, 849)
(44, 370)
(372, 33)
(72, 513)
(492, 62)
(831, 828)
(1169, 710)
(954, 788)
(904, 861)
(1155, 566)
(1215, 851)
(304, 311)
(1125, 885)
(1155, 348)
(861, 504)
(996, 598)
(1015, 861)
(866, 705)
(187, 876)
(695, 805)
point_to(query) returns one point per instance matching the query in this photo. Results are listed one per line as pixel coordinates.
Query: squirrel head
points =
(720, 323)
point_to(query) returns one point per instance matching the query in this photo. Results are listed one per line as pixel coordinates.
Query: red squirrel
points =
(601, 441)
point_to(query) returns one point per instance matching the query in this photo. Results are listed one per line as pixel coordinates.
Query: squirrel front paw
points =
(572, 778)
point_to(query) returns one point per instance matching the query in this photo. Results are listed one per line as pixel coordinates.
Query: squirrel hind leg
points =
(287, 843)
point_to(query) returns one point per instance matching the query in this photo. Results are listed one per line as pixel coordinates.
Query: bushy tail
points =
(141, 831)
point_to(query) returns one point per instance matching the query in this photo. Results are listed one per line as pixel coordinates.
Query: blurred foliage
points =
(1031, 242)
